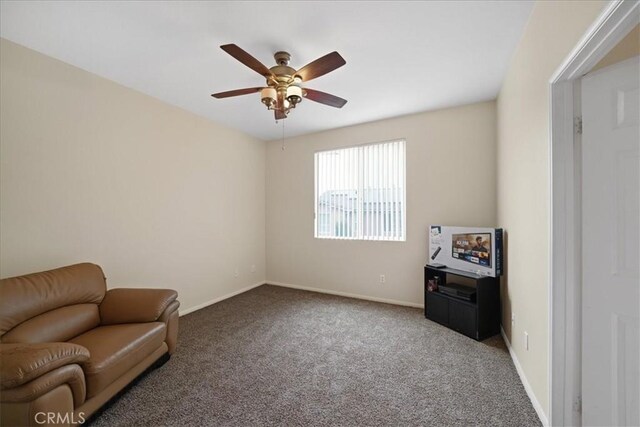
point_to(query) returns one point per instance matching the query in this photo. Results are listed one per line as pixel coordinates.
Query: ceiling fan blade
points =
(237, 92)
(321, 66)
(324, 98)
(247, 59)
(280, 115)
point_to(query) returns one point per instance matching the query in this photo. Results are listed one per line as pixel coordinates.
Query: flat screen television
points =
(473, 248)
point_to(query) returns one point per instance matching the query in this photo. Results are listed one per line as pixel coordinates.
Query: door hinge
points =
(577, 404)
(577, 125)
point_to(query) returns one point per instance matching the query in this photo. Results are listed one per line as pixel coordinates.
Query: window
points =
(360, 192)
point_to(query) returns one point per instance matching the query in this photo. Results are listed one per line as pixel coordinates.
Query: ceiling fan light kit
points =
(284, 89)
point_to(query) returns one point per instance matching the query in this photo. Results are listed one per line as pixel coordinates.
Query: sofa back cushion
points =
(57, 325)
(52, 305)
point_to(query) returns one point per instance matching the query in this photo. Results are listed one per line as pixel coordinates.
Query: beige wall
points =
(93, 171)
(628, 47)
(554, 28)
(439, 191)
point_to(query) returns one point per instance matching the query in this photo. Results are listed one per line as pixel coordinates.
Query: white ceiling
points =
(402, 57)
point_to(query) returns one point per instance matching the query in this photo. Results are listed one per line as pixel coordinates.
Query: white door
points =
(610, 241)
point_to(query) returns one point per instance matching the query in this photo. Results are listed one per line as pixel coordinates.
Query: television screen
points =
(473, 248)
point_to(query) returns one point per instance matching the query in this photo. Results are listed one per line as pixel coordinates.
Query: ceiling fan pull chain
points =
(282, 135)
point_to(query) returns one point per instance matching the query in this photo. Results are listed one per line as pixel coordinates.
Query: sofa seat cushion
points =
(115, 349)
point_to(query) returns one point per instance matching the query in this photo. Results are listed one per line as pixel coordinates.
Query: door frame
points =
(565, 309)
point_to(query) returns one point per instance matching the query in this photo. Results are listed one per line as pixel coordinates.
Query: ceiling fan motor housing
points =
(282, 80)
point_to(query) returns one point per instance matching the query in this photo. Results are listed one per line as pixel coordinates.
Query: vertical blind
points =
(360, 192)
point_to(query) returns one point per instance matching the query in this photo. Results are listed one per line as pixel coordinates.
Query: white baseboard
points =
(345, 294)
(224, 297)
(525, 382)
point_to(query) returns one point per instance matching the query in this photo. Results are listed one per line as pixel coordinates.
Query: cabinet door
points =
(463, 318)
(437, 308)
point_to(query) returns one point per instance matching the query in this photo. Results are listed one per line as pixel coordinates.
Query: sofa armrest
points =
(21, 363)
(71, 375)
(170, 318)
(171, 308)
(125, 305)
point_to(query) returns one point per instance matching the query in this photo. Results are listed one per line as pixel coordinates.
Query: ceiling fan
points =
(284, 84)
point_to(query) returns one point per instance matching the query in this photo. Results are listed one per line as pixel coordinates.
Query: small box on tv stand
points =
(436, 265)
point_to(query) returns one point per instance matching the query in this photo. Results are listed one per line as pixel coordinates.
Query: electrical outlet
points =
(513, 319)
(253, 268)
(236, 273)
(526, 340)
(382, 278)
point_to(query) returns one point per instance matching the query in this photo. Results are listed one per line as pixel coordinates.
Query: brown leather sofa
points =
(67, 345)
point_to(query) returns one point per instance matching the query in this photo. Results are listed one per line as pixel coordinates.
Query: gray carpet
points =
(277, 356)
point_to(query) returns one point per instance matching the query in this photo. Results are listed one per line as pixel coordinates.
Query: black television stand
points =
(477, 319)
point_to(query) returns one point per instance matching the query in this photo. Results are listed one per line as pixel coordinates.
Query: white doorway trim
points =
(616, 20)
